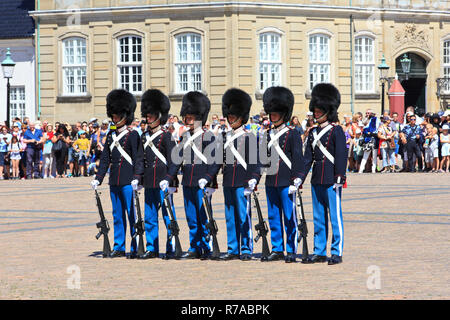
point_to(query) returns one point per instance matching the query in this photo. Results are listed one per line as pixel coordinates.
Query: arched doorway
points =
(415, 86)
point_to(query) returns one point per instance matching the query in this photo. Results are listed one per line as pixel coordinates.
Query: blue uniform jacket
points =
(121, 172)
(192, 167)
(234, 174)
(291, 144)
(324, 171)
(154, 168)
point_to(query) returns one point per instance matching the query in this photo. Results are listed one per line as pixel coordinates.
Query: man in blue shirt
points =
(33, 138)
(413, 135)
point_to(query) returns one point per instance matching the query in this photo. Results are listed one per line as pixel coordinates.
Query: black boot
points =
(229, 256)
(191, 255)
(275, 256)
(317, 259)
(117, 254)
(334, 260)
(149, 255)
(290, 257)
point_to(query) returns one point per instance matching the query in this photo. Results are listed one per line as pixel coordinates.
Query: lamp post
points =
(8, 70)
(383, 67)
(406, 65)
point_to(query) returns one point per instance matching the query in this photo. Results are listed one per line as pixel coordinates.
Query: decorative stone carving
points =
(412, 36)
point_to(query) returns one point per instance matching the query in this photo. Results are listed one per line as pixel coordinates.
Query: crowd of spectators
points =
(375, 143)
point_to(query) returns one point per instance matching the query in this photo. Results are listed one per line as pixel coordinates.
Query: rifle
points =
(262, 230)
(303, 229)
(103, 228)
(139, 226)
(173, 226)
(212, 228)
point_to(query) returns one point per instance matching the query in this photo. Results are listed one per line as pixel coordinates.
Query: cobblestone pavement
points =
(396, 247)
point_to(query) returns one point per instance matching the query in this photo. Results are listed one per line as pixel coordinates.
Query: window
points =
(446, 64)
(269, 60)
(74, 66)
(17, 102)
(364, 65)
(319, 59)
(130, 64)
(188, 62)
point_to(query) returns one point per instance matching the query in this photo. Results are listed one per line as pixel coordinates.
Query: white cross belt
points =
(149, 142)
(319, 143)
(236, 154)
(116, 143)
(190, 142)
(274, 141)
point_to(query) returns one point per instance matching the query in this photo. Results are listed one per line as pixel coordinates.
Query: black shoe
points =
(290, 257)
(274, 256)
(191, 255)
(334, 260)
(149, 255)
(229, 256)
(132, 255)
(206, 255)
(246, 257)
(316, 258)
(170, 256)
(117, 254)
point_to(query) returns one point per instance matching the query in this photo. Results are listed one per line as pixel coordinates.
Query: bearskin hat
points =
(327, 98)
(196, 103)
(121, 102)
(236, 102)
(279, 99)
(155, 102)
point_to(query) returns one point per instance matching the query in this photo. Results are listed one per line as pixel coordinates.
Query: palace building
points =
(86, 48)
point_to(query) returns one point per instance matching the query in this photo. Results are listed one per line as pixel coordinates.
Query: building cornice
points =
(244, 7)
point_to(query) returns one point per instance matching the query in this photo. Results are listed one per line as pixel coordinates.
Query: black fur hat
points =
(155, 102)
(279, 99)
(236, 102)
(121, 102)
(326, 97)
(196, 103)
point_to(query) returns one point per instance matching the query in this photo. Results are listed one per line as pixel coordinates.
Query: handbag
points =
(57, 146)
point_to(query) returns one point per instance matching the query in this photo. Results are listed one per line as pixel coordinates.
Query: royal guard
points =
(285, 173)
(241, 173)
(122, 157)
(157, 144)
(195, 154)
(326, 151)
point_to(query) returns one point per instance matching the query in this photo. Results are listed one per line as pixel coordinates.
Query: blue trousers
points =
(280, 201)
(326, 200)
(238, 217)
(154, 198)
(196, 218)
(122, 203)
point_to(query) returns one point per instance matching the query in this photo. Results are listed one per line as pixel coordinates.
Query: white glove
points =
(337, 185)
(209, 191)
(202, 183)
(164, 185)
(171, 190)
(292, 190)
(251, 184)
(134, 184)
(297, 182)
(247, 192)
(94, 184)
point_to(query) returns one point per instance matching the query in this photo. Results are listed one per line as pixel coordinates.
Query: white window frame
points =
(364, 60)
(267, 78)
(193, 79)
(18, 102)
(446, 63)
(318, 63)
(133, 65)
(78, 68)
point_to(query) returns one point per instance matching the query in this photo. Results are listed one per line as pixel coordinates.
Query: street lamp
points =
(406, 65)
(8, 70)
(383, 67)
